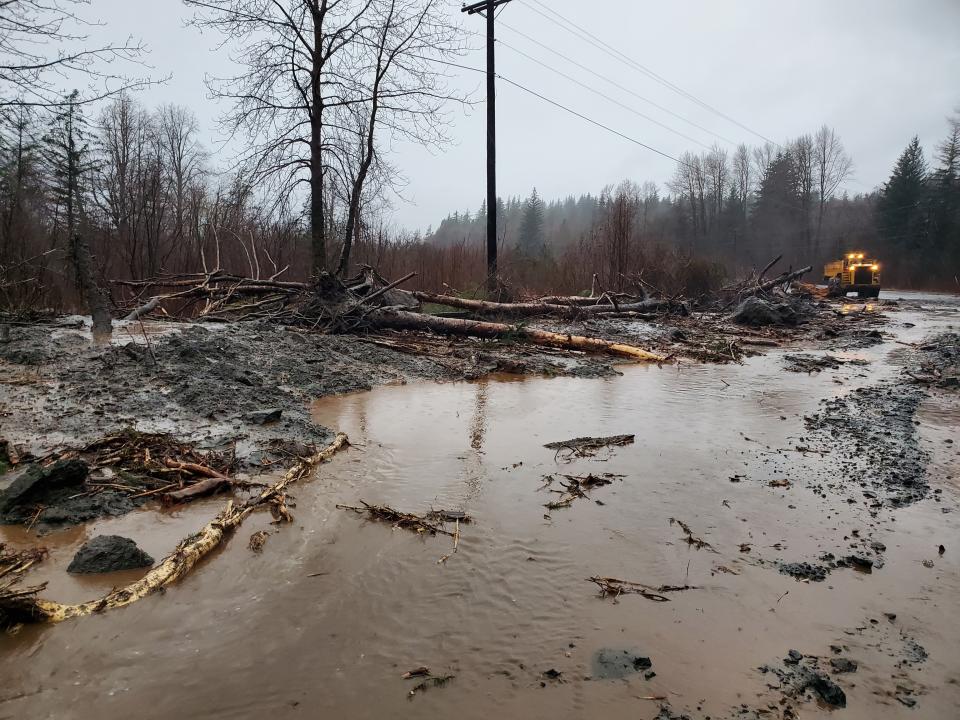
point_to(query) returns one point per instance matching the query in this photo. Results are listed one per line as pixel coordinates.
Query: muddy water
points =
(324, 622)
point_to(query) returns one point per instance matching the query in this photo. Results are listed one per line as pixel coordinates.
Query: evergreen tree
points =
(777, 218)
(945, 201)
(69, 165)
(531, 229)
(902, 206)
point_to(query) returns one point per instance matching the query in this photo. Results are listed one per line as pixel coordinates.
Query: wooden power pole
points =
(488, 7)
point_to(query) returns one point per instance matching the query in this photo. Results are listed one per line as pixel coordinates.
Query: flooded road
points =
(326, 620)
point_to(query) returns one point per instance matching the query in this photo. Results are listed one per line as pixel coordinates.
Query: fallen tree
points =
(541, 308)
(403, 320)
(22, 606)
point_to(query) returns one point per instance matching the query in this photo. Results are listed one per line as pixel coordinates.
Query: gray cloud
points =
(879, 71)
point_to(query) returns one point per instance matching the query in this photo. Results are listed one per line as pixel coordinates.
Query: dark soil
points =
(873, 427)
(614, 664)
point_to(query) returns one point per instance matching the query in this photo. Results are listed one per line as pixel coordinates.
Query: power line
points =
(565, 108)
(603, 95)
(592, 39)
(592, 121)
(615, 84)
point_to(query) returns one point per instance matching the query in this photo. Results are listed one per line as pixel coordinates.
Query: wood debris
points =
(698, 543)
(615, 588)
(26, 607)
(422, 525)
(588, 446)
(430, 682)
(576, 486)
(257, 541)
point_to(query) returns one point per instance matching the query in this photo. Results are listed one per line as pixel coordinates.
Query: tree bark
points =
(401, 320)
(25, 607)
(484, 307)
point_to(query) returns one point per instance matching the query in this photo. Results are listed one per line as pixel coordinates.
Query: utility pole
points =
(488, 7)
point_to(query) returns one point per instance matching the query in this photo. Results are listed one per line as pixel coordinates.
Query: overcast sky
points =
(879, 71)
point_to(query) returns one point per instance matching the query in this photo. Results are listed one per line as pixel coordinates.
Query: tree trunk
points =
(25, 607)
(483, 307)
(401, 320)
(318, 220)
(93, 296)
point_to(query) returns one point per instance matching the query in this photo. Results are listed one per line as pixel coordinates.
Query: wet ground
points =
(766, 467)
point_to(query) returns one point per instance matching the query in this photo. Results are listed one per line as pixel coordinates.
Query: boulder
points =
(264, 417)
(756, 312)
(108, 553)
(37, 482)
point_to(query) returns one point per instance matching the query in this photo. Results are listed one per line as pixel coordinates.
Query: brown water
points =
(324, 622)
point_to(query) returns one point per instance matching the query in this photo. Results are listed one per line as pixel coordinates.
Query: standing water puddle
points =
(325, 621)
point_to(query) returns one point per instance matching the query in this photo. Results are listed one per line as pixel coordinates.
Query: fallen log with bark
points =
(403, 320)
(370, 302)
(569, 310)
(24, 606)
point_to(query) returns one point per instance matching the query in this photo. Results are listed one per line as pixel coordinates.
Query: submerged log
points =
(401, 320)
(25, 607)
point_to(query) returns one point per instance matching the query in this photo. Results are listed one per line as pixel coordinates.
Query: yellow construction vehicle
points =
(854, 273)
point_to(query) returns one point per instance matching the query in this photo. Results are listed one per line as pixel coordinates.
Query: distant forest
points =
(136, 186)
(739, 210)
(100, 193)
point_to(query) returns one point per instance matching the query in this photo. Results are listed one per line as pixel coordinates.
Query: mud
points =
(328, 616)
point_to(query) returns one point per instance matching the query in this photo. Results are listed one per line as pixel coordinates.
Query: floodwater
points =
(326, 620)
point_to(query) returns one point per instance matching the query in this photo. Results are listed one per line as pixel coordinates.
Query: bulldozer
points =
(853, 273)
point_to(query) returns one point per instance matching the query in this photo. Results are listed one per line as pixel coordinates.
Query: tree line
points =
(739, 210)
(95, 186)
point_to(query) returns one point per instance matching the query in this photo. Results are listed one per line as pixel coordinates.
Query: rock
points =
(263, 417)
(756, 312)
(827, 689)
(864, 564)
(906, 700)
(109, 553)
(793, 657)
(36, 482)
(843, 665)
(610, 664)
(949, 382)
(804, 571)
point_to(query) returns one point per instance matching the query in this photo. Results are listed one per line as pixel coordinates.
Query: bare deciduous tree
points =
(832, 166)
(42, 42)
(322, 79)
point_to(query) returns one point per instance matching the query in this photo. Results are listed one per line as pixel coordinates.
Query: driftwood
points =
(541, 309)
(698, 543)
(402, 320)
(214, 481)
(616, 588)
(407, 521)
(576, 486)
(26, 607)
(152, 304)
(588, 446)
(779, 280)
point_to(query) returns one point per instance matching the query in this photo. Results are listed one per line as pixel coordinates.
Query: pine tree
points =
(67, 154)
(531, 230)
(945, 201)
(902, 206)
(777, 217)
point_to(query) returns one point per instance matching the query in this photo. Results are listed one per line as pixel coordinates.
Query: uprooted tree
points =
(322, 81)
